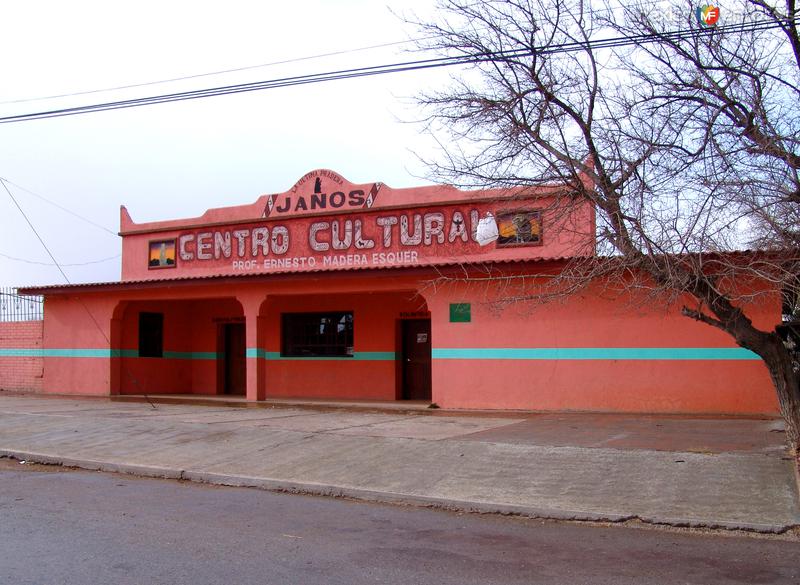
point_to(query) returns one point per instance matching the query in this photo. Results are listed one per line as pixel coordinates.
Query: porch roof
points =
(270, 276)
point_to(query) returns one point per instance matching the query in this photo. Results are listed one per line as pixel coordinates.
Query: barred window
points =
(317, 334)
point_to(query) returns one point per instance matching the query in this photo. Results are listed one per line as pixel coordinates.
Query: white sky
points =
(176, 160)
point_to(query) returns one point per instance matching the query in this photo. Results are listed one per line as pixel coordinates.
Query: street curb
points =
(327, 490)
(94, 465)
(395, 498)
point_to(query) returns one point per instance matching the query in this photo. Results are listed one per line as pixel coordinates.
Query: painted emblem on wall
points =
(519, 227)
(162, 254)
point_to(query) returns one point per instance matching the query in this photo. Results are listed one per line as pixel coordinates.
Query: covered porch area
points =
(273, 342)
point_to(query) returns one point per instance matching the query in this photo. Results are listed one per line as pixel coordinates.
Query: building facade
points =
(360, 291)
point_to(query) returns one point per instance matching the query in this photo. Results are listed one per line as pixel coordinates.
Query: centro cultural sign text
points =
(368, 240)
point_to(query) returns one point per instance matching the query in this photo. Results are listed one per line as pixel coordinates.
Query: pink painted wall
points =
(585, 321)
(206, 316)
(190, 326)
(375, 318)
(82, 319)
(143, 375)
(590, 321)
(72, 322)
(21, 372)
(104, 317)
(221, 241)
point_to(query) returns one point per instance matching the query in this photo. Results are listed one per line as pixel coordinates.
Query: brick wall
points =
(21, 372)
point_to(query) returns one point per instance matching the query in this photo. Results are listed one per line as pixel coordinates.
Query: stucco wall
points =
(190, 361)
(592, 352)
(21, 361)
(371, 374)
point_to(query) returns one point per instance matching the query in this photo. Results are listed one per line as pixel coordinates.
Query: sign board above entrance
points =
(327, 223)
(372, 239)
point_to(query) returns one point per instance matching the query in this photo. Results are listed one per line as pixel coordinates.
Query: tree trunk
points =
(779, 363)
(767, 345)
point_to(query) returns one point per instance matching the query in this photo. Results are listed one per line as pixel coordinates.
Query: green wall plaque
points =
(460, 312)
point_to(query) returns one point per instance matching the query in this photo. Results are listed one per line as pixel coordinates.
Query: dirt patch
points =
(7, 464)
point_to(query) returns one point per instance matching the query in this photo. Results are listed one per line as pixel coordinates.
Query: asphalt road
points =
(75, 527)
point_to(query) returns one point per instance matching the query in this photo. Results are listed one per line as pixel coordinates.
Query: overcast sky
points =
(177, 160)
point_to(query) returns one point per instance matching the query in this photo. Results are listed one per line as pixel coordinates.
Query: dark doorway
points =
(235, 374)
(416, 359)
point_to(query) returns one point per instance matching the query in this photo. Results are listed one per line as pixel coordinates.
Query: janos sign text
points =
(336, 197)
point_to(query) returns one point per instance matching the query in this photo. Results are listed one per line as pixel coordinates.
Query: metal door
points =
(235, 362)
(417, 359)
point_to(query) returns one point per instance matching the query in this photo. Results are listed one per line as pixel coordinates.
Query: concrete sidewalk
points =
(729, 473)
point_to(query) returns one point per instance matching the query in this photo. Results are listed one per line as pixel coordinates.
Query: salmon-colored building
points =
(346, 291)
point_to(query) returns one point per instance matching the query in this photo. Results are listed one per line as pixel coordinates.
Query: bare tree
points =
(684, 137)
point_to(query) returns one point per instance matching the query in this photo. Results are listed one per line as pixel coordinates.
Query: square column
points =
(256, 363)
(115, 373)
(255, 327)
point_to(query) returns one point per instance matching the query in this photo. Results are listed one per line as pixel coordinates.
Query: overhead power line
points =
(26, 261)
(568, 47)
(67, 280)
(210, 73)
(61, 207)
(33, 229)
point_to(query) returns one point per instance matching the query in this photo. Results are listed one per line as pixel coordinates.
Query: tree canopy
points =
(684, 134)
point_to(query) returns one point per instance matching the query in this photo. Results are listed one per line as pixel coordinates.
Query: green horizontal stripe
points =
(595, 353)
(20, 352)
(77, 353)
(492, 353)
(104, 353)
(376, 356)
(363, 356)
(192, 355)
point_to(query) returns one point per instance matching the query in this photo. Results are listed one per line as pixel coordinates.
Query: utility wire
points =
(61, 207)
(211, 73)
(38, 237)
(67, 280)
(466, 59)
(244, 68)
(26, 261)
